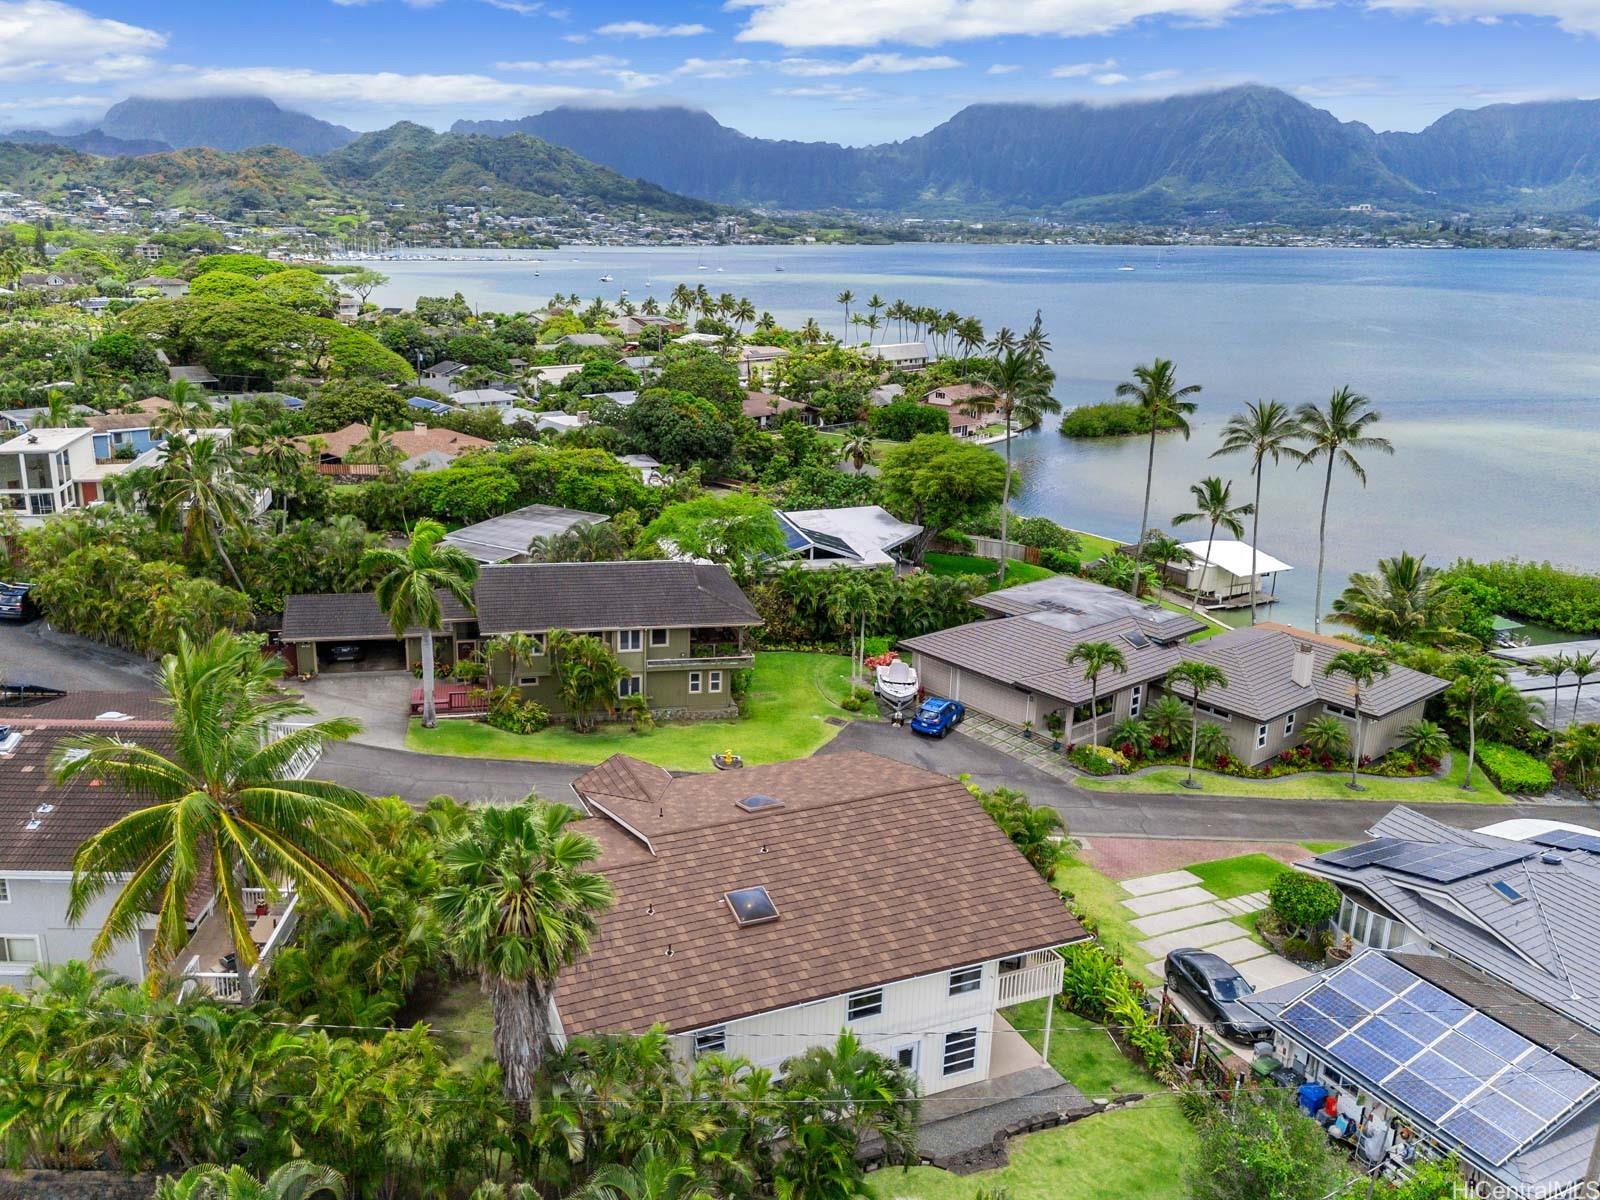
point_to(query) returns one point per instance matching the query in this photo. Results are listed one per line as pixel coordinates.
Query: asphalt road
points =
(37, 655)
(420, 777)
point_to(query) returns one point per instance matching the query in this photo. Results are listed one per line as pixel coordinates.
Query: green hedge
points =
(1515, 770)
(1115, 418)
(1541, 592)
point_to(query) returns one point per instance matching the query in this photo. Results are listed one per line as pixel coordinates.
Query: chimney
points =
(1300, 672)
(418, 427)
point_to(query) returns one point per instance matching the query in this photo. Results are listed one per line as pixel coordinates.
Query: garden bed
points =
(1309, 785)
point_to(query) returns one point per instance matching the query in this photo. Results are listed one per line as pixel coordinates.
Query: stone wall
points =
(75, 1185)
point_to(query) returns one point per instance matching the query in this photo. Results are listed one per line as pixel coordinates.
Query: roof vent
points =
(10, 739)
(1551, 860)
(751, 906)
(758, 802)
(113, 715)
(45, 810)
(33, 823)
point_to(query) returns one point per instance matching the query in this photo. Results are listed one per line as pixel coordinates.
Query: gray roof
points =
(586, 339)
(352, 616)
(1031, 654)
(507, 536)
(1546, 946)
(190, 375)
(1070, 603)
(1258, 663)
(530, 597)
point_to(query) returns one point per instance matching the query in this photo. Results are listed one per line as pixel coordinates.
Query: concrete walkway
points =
(1008, 739)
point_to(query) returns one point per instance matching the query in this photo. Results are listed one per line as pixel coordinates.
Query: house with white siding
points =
(760, 912)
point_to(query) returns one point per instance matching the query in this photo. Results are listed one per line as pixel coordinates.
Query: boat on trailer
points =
(895, 684)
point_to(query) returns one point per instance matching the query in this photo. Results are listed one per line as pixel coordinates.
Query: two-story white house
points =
(41, 471)
(760, 912)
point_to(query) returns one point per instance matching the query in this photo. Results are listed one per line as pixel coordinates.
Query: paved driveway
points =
(420, 777)
(380, 700)
(36, 654)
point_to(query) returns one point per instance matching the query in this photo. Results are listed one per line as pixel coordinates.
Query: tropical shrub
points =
(1303, 902)
(1111, 419)
(1565, 600)
(1514, 770)
(1575, 756)
(1097, 987)
(1259, 1147)
(1328, 738)
(1063, 562)
(1098, 760)
(513, 714)
(1035, 829)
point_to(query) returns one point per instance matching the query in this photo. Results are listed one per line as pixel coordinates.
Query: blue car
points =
(937, 716)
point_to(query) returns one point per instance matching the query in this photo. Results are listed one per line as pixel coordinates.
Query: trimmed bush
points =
(1514, 770)
(1303, 902)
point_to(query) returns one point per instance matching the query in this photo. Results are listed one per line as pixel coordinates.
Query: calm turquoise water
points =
(1485, 365)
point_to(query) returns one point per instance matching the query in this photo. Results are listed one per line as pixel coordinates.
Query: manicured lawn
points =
(790, 697)
(1099, 900)
(1310, 786)
(966, 564)
(1094, 546)
(1081, 1052)
(1229, 877)
(1135, 1153)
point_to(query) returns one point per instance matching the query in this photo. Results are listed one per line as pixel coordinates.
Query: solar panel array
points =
(1569, 839)
(1435, 862)
(1469, 1076)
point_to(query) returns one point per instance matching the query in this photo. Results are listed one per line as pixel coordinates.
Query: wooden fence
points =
(987, 547)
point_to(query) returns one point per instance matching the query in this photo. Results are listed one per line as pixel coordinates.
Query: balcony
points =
(1039, 976)
(210, 965)
(717, 648)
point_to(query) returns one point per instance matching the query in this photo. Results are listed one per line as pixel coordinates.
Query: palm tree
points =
(1333, 433)
(186, 408)
(519, 904)
(1023, 381)
(224, 804)
(518, 649)
(1265, 429)
(651, 1176)
(409, 582)
(811, 332)
(297, 1180)
(846, 298)
(1213, 502)
(1555, 666)
(59, 413)
(848, 1087)
(1361, 668)
(1199, 678)
(1577, 753)
(1401, 600)
(198, 488)
(1155, 389)
(858, 448)
(376, 448)
(587, 675)
(1096, 658)
(1582, 666)
(1167, 716)
(854, 600)
(1326, 736)
(1426, 739)
(1474, 678)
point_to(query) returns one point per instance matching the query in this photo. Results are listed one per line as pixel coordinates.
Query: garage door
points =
(985, 695)
(936, 678)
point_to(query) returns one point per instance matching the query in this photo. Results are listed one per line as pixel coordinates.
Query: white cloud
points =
(1160, 76)
(867, 64)
(1083, 70)
(386, 91)
(1110, 79)
(1003, 69)
(520, 7)
(644, 29)
(713, 68)
(826, 91)
(1330, 86)
(595, 62)
(50, 103)
(1573, 16)
(46, 39)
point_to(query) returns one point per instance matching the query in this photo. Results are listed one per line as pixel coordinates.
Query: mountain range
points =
(147, 125)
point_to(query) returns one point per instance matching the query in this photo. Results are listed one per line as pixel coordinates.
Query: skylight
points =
(758, 802)
(1509, 892)
(1136, 639)
(752, 906)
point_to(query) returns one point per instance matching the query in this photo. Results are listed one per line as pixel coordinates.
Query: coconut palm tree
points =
(1266, 429)
(1096, 658)
(1213, 502)
(224, 805)
(1023, 382)
(376, 448)
(811, 332)
(1577, 752)
(846, 298)
(186, 408)
(1582, 666)
(858, 448)
(1402, 600)
(1334, 433)
(1362, 668)
(58, 413)
(587, 675)
(199, 490)
(409, 583)
(1555, 666)
(1199, 678)
(297, 1180)
(1155, 390)
(519, 904)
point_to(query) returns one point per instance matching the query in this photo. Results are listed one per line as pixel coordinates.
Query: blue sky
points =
(852, 71)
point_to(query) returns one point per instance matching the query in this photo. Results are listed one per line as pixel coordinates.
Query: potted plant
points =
(1027, 730)
(1343, 950)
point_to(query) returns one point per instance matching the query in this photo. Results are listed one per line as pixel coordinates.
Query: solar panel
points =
(1473, 1131)
(1423, 860)
(1420, 1096)
(752, 906)
(1569, 839)
(1361, 855)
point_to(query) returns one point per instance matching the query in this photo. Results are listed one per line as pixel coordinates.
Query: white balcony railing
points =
(1034, 980)
(225, 985)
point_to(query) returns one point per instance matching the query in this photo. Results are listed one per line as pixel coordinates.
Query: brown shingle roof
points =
(77, 707)
(859, 904)
(354, 616)
(766, 404)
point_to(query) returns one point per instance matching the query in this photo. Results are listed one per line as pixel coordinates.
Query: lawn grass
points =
(1083, 1054)
(1134, 1153)
(1093, 546)
(1098, 899)
(967, 564)
(1168, 781)
(790, 696)
(1229, 877)
(1324, 847)
(462, 1018)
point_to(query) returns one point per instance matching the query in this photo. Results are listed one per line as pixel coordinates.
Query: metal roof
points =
(507, 536)
(1234, 557)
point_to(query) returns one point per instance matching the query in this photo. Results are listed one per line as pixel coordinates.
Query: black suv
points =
(1216, 988)
(16, 602)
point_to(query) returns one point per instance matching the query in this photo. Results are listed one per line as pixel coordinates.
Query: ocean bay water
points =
(1485, 365)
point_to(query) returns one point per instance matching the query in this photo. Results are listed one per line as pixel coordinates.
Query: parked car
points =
(1215, 987)
(345, 651)
(937, 716)
(17, 602)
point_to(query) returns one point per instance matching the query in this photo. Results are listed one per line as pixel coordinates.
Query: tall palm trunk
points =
(1194, 736)
(1005, 500)
(216, 540)
(1206, 566)
(1322, 545)
(1472, 742)
(1255, 540)
(1144, 516)
(429, 717)
(1578, 695)
(521, 1035)
(1094, 711)
(861, 671)
(1355, 754)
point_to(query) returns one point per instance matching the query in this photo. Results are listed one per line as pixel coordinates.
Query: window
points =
(711, 1041)
(862, 1005)
(1261, 736)
(713, 681)
(528, 680)
(1338, 710)
(1136, 700)
(22, 949)
(967, 979)
(5, 892)
(1212, 711)
(906, 1056)
(629, 639)
(694, 683)
(632, 685)
(1288, 725)
(960, 1051)
(1014, 963)
(660, 637)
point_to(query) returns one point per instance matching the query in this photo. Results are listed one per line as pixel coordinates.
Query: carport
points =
(333, 633)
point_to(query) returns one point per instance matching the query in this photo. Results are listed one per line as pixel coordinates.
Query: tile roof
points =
(858, 904)
(1258, 663)
(530, 597)
(767, 404)
(410, 442)
(352, 615)
(77, 707)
